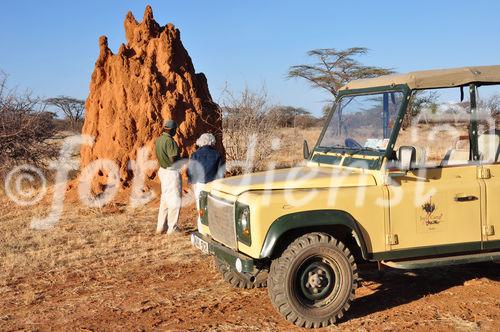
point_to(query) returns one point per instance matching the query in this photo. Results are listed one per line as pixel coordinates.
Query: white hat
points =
(206, 139)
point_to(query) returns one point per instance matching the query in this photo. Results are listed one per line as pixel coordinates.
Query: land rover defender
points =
(406, 172)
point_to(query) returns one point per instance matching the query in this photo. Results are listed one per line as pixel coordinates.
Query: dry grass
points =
(291, 140)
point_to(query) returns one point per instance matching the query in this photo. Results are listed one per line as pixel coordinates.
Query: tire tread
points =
(236, 280)
(277, 289)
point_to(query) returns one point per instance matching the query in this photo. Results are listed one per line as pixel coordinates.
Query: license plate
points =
(200, 244)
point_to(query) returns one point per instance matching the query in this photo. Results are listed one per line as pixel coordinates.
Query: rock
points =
(150, 79)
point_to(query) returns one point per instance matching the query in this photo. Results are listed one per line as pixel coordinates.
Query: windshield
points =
(363, 121)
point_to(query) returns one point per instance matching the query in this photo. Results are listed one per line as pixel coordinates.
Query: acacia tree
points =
(287, 116)
(333, 68)
(72, 108)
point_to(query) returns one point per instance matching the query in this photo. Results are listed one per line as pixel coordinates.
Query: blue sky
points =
(50, 46)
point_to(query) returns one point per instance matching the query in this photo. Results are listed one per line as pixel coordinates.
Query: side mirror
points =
(406, 156)
(305, 150)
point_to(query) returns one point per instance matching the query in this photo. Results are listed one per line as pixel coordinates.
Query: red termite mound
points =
(149, 80)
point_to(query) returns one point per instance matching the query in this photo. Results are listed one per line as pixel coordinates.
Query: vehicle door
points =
(436, 207)
(488, 141)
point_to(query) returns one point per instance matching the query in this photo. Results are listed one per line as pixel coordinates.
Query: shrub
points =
(25, 127)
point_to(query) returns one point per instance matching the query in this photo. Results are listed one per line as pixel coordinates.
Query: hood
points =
(293, 178)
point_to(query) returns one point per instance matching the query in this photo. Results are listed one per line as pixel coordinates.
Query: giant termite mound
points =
(150, 79)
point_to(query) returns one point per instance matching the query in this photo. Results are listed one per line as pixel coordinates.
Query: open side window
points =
(437, 124)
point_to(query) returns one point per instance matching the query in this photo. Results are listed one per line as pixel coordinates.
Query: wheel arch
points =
(288, 227)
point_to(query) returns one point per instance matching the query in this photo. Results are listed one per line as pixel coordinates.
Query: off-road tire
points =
(289, 294)
(237, 280)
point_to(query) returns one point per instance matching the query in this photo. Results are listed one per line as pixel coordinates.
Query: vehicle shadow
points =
(392, 287)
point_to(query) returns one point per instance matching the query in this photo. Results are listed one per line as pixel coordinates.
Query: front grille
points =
(221, 221)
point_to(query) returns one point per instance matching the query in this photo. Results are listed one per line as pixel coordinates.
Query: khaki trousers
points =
(170, 200)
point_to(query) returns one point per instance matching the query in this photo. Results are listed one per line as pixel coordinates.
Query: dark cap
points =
(170, 124)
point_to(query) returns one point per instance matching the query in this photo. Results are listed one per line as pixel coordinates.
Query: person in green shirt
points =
(167, 153)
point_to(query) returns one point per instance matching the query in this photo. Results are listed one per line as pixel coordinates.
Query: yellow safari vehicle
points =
(406, 172)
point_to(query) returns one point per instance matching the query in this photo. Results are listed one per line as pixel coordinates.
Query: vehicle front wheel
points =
(313, 282)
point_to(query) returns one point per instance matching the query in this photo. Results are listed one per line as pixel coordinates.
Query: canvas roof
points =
(432, 78)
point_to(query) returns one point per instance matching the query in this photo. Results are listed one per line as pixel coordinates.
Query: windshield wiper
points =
(346, 149)
(356, 151)
(333, 147)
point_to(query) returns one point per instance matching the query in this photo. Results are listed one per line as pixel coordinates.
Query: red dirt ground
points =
(121, 276)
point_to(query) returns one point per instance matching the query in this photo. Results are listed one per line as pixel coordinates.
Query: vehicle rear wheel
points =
(313, 282)
(238, 280)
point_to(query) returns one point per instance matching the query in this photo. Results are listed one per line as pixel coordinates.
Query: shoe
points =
(173, 230)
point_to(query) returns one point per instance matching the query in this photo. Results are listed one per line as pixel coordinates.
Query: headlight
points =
(203, 204)
(243, 223)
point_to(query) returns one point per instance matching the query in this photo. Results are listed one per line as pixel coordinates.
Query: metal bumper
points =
(239, 261)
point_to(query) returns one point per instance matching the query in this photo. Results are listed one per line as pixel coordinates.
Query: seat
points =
(459, 155)
(488, 146)
(421, 156)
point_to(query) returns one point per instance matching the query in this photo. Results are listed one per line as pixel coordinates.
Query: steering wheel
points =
(352, 143)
